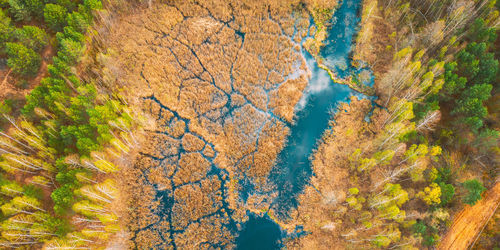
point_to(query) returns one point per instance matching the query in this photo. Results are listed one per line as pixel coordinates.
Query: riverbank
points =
(332, 49)
(321, 203)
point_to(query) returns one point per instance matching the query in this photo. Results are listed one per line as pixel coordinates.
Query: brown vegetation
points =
(374, 38)
(217, 82)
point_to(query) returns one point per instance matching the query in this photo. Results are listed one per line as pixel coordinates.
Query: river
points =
(313, 113)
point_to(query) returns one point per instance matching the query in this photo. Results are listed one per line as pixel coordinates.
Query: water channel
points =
(321, 98)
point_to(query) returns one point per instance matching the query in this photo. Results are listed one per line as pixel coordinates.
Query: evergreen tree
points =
(470, 106)
(474, 189)
(22, 60)
(480, 32)
(55, 16)
(32, 37)
(6, 30)
(19, 10)
(447, 193)
(77, 22)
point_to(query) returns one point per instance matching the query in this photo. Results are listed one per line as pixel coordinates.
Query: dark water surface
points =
(293, 169)
(259, 233)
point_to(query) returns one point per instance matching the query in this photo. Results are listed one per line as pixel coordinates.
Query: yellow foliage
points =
(119, 145)
(436, 150)
(95, 234)
(106, 166)
(352, 201)
(419, 54)
(415, 66)
(353, 191)
(431, 194)
(403, 53)
(433, 174)
(366, 164)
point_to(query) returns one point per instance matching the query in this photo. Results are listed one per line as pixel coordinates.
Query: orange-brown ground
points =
(468, 223)
(490, 236)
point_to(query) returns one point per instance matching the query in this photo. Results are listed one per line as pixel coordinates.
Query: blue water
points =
(313, 113)
(259, 233)
(339, 43)
(293, 168)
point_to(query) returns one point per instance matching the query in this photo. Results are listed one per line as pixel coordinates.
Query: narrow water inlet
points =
(313, 113)
(293, 170)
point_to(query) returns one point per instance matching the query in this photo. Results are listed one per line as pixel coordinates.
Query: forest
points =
(159, 124)
(60, 141)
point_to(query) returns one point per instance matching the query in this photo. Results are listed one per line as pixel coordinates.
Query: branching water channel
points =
(293, 168)
(221, 103)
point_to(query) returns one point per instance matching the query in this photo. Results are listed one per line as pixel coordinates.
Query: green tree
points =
(77, 21)
(58, 67)
(59, 226)
(486, 139)
(70, 33)
(50, 93)
(431, 239)
(476, 64)
(91, 5)
(63, 198)
(19, 10)
(86, 145)
(22, 60)
(480, 32)
(474, 189)
(35, 7)
(33, 191)
(444, 175)
(55, 16)
(69, 51)
(32, 37)
(70, 5)
(453, 84)
(24, 10)
(100, 116)
(6, 30)
(419, 228)
(447, 193)
(470, 106)
(5, 107)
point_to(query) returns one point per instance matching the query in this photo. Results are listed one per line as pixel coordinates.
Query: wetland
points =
(237, 109)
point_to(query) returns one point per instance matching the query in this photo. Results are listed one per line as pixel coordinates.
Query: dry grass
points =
(373, 38)
(220, 81)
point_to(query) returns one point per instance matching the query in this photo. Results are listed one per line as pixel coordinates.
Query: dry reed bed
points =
(219, 81)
